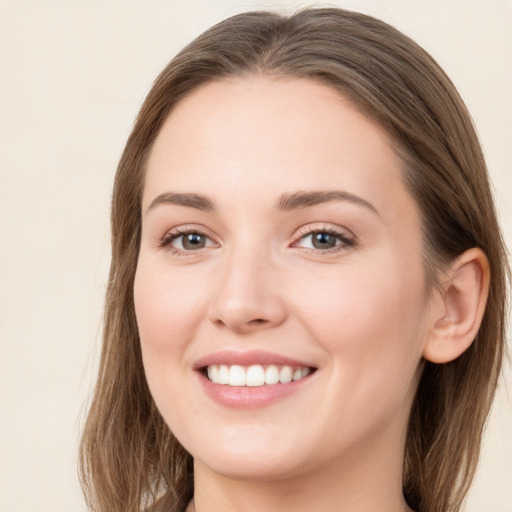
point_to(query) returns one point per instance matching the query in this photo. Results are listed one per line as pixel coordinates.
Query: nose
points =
(249, 297)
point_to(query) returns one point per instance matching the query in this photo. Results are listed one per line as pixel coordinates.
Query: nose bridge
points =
(248, 295)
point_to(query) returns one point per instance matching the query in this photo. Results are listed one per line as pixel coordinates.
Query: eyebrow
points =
(196, 201)
(304, 199)
(286, 202)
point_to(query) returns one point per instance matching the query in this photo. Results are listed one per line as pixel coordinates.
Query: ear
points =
(464, 296)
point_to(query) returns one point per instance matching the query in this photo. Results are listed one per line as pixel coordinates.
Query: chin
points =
(249, 458)
(254, 467)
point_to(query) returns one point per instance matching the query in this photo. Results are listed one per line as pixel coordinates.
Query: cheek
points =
(168, 312)
(166, 309)
(369, 318)
(370, 324)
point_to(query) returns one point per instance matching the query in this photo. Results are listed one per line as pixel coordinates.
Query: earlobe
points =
(464, 296)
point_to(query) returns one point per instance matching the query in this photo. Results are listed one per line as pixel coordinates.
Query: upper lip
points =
(248, 358)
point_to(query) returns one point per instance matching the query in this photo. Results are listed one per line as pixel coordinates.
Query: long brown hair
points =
(130, 461)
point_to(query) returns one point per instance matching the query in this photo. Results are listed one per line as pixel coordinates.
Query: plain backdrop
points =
(73, 74)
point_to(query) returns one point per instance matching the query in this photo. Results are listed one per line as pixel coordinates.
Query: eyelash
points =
(345, 241)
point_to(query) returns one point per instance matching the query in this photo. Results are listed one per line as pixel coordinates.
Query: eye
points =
(324, 240)
(186, 241)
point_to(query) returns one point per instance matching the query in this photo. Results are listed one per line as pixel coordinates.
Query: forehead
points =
(263, 134)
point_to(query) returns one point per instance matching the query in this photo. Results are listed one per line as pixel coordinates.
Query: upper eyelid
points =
(310, 228)
(183, 229)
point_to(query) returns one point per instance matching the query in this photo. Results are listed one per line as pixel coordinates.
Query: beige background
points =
(72, 76)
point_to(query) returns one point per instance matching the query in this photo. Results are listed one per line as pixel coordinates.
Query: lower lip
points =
(248, 397)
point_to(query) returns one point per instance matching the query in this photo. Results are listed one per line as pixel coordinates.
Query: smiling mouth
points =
(255, 375)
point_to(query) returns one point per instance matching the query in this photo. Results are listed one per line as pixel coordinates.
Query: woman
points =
(308, 283)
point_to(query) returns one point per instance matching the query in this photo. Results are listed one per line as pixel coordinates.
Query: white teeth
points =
(223, 374)
(213, 373)
(254, 375)
(285, 375)
(271, 374)
(236, 376)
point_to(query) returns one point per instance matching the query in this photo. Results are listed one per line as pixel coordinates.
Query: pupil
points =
(323, 241)
(193, 241)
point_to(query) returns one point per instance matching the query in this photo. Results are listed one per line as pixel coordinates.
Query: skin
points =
(359, 313)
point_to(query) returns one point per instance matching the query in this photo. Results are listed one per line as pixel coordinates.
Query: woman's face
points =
(278, 243)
